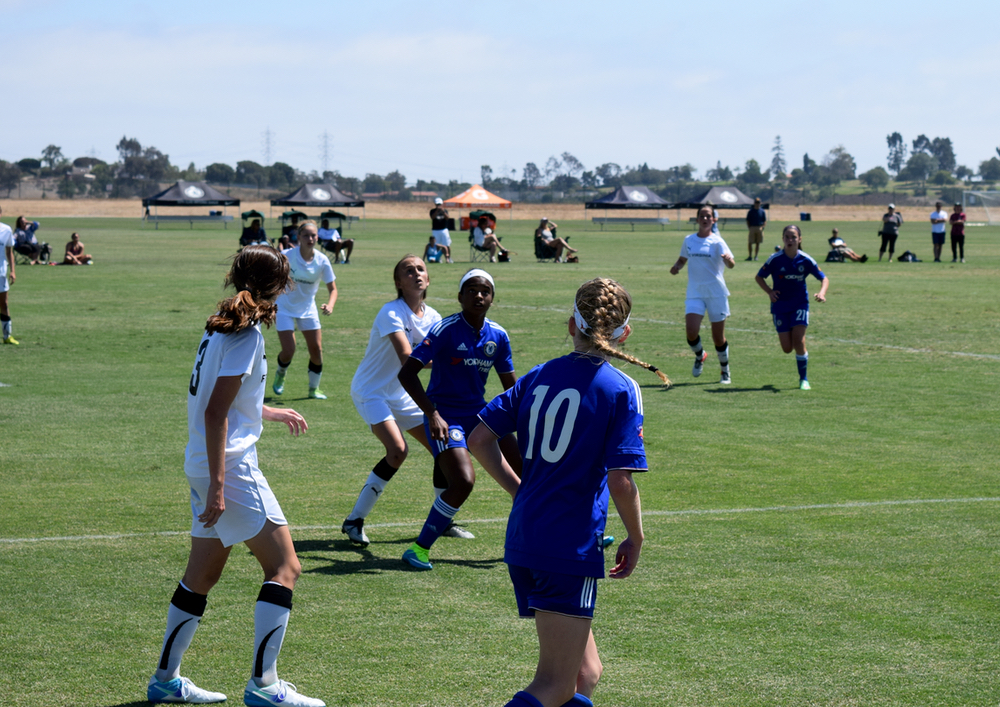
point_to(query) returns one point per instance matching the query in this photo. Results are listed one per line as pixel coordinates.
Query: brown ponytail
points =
(605, 305)
(259, 273)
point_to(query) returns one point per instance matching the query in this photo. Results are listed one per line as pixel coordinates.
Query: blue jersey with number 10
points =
(576, 418)
(789, 278)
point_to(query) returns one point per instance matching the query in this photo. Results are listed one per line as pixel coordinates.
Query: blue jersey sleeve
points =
(504, 362)
(500, 414)
(424, 352)
(624, 448)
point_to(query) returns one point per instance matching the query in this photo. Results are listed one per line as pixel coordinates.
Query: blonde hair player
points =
(231, 501)
(579, 422)
(297, 308)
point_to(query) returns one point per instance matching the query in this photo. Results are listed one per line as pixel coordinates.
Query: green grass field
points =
(831, 547)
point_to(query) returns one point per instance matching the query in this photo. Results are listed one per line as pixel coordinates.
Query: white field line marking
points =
(487, 521)
(852, 342)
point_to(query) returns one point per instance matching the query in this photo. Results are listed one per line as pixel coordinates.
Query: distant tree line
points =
(140, 171)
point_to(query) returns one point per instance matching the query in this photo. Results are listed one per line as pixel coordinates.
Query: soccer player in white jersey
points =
(707, 254)
(377, 394)
(297, 308)
(789, 297)
(464, 347)
(579, 428)
(231, 501)
(6, 280)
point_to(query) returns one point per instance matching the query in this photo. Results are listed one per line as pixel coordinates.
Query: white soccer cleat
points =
(355, 531)
(180, 690)
(454, 531)
(281, 694)
(725, 380)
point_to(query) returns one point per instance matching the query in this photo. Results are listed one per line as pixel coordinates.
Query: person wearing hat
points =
(439, 228)
(756, 220)
(957, 219)
(939, 220)
(891, 222)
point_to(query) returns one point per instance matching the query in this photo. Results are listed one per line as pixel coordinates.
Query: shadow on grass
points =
(364, 562)
(731, 389)
(130, 704)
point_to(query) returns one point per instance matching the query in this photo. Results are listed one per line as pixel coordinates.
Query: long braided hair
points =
(259, 274)
(605, 305)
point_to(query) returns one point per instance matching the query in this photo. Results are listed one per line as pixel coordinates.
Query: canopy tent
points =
(475, 197)
(248, 215)
(629, 198)
(189, 194)
(319, 195)
(721, 198)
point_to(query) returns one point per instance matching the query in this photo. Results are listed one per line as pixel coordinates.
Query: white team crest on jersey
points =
(490, 349)
(455, 434)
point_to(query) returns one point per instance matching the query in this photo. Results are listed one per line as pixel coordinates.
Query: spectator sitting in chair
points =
(292, 230)
(837, 243)
(549, 239)
(74, 252)
(25, 241)
(255, 235)
(285, 243)
(484, 239)
(330, 240)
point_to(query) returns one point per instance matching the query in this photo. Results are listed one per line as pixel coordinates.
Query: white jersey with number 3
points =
(242, 355)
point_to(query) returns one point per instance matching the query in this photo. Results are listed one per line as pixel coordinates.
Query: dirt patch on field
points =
(132, 208)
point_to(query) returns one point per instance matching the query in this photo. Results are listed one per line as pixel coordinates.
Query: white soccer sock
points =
(270, 618)
(374, 486)
(6, 329)
(181, 625)
(314, 379)
(724, 358)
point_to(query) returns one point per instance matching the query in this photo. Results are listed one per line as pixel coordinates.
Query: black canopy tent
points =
(629, 198)
(191, 194)
(633, 199)
(728, 197)
(319, 195)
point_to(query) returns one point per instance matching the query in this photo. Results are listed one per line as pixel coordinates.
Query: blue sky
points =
(436, 89)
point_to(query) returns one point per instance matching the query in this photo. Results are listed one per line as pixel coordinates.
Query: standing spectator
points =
(706, 290)
(938, 220)
(756, 220)
(7, 243)
(891, 221)
(331, 242)
(957, 219)
(439, 228)
(25, 241)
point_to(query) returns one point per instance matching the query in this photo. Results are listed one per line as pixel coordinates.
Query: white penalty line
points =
(487, 521)
(851, 342)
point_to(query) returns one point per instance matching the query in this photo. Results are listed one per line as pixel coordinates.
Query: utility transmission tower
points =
(267, 145)
(324, 151)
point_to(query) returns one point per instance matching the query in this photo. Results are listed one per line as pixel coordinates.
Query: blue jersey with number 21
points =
(789, 278)
(576, 418)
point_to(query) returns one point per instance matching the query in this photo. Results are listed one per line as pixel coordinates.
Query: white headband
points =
(476, 272)
(582, 325)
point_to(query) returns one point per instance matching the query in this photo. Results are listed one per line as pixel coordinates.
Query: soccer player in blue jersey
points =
(579, 428)
(788, 269)
(464, 347)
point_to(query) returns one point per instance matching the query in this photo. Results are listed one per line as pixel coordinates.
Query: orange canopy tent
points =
(475, 197)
